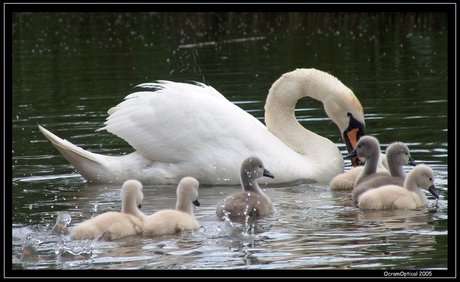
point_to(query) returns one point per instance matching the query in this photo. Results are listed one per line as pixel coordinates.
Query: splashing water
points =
(233, 229)
(29, 249)
(75, 249)
(62, 223)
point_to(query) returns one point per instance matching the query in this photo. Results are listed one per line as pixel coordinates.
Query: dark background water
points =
(68, 69)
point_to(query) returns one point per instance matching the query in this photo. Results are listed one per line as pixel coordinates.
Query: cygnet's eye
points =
(139, 206)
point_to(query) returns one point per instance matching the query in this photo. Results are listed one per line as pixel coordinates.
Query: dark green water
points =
(70, 68)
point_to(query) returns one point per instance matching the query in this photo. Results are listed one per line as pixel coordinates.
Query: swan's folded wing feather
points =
(178, 121)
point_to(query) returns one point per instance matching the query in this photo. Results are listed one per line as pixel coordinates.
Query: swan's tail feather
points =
(90, 165)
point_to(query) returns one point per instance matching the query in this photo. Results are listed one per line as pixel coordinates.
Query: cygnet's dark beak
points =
(352, 154)
(196, 203)
(268, 174)
(412, 161)
(433, 192)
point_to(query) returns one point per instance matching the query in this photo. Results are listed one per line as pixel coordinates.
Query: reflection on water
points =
(69, 69)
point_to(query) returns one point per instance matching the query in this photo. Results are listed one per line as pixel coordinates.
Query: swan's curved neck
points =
(280, 113)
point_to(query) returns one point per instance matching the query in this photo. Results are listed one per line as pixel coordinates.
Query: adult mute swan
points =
(252, 200)
(182, 129)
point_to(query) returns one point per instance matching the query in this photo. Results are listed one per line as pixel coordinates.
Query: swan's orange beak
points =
(351, 137)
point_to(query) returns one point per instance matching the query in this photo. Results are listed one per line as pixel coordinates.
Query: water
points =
(69, 69)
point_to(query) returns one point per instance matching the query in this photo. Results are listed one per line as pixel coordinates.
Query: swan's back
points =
(184, 118)
(184, 129)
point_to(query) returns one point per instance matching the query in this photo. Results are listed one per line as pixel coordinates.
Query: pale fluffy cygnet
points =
(346, 180)
(170, 221)
(116, 225)
(397, 155)
(410, 196)
(251, 201)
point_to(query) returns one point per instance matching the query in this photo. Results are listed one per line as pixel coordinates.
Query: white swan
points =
(171, 221)
(252, 200)
(397, 155)
(184, 129)
(116, 225)
(393, 196)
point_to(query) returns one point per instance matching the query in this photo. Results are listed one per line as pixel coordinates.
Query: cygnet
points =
(251, 201)
(397, 155)
(116, 225)
(170, 221)
(410, 196)
(368, 147)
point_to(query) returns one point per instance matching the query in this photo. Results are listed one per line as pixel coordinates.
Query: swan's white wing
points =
(198, 87)
(180, 121)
